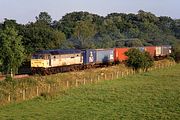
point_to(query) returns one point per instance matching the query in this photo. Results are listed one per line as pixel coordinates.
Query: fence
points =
(26, 93)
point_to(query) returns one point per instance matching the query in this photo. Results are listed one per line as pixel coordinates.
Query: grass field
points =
(151, 95)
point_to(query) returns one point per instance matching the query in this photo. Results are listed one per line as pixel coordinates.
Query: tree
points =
(133, 43)
(147, 61)
(44, 17)
(83, 32)
(138, 59)
(176, 52)
(40, 36)
(12, 51)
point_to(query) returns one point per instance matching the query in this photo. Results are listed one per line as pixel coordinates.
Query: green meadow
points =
(151, 95)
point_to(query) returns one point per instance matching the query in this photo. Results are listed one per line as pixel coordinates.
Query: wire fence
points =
(18, 94)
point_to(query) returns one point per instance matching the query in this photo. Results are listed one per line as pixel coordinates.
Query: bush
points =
(138, 59)
(176, 52)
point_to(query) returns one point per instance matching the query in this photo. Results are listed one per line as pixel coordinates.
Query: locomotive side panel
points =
(70, 59)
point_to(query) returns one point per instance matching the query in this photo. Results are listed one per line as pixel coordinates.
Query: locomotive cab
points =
(40, 60)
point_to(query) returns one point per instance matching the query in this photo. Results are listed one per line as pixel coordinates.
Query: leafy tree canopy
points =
(44, 17)
(12, 51)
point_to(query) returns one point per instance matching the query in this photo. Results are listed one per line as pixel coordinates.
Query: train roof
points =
(59, 51)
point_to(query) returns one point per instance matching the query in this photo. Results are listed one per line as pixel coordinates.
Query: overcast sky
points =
(25, 10)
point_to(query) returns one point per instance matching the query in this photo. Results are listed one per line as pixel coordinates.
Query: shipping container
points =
(89, 56)
(158, 51)
(104, 55)
(166, 50)
(119, 54)
(151, 50)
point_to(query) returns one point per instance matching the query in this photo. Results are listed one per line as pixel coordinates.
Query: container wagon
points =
(119, 54)
(104, 56)
(151, 50)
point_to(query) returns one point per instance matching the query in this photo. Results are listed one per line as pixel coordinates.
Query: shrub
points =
(138, 59)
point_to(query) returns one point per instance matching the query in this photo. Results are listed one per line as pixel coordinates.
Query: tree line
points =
(83, 30)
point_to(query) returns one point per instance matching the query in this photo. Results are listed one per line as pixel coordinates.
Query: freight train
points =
(55, 61)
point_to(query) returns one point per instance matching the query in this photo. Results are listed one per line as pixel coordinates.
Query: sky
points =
(24, 11)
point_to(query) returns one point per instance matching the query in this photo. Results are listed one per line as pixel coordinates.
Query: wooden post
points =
(37, 91)
(132, 71)
(105, 76)
(67, 83)
(122, 74)
(9, 97)
(112, 76)
(49, 87)
(24, 94)
(98, 78)
(117, 74)
(76, 83)
(127, 73)
(84, 81)
(91, 80)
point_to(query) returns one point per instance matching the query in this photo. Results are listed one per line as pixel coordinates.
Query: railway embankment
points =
(18, 90)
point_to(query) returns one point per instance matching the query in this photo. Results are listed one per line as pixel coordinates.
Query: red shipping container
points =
(151, 50)
(119, 54)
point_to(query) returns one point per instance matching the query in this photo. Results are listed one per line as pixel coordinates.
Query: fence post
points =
(98, 78)
(91, 80)
(112, 76)
(117, 74)
(127, 72)
(9, 97)
(67, 83)
(24, 94)
(84, 81)
(37, 91)
(76, 83)
(122, 74)
(49, 87)
(105, 76)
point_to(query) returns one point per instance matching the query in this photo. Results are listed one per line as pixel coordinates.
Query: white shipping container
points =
(158, 50)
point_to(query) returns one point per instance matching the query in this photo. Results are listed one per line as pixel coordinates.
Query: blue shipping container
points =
(89, 56)
(104, 55)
